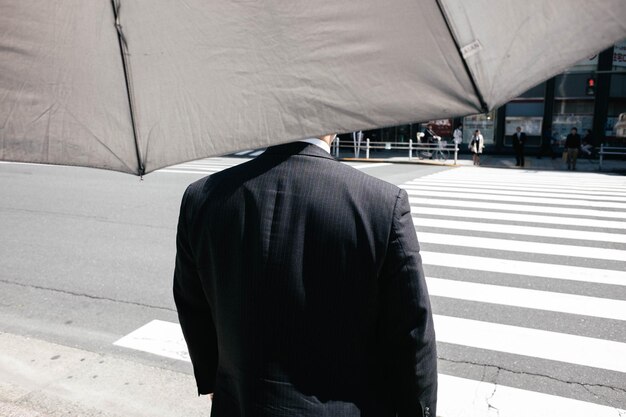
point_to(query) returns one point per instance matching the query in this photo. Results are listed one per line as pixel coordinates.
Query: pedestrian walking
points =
(572, 145)
(476, 146)
(588, 142)
(457, 135)
(300, 290)
(518, 140)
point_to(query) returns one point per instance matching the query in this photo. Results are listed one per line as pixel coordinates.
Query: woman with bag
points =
(476, 146)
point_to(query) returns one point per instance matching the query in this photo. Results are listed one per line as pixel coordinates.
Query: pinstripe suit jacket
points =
(300, 291)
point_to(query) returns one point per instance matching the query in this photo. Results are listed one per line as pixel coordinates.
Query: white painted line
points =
(471, 190)
(510, 245)
(536, 176)
(529, 269)
(519, 199)
(422, 222)
(366, 165)
(496, 173)
(211, 165)
(564, 185)
(459, 397)
(561, 347)
(525, 298)
(158, 337)
(33, 164)
(556, 189)
(424, 200)
(228, 159)
(518, 217)
(178, 171)
(501, 178)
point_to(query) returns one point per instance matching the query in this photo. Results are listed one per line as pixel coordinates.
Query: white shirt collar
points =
(317, 142)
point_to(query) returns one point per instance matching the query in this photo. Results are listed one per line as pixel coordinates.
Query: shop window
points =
(572, 113)
(525, 114)
(483, 122)
(571, 85)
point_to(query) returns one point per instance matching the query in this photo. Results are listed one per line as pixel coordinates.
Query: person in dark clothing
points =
(588, 143)
(429, 134)
(518, 140)
(572, 144)
(300, 290)
(430, 137)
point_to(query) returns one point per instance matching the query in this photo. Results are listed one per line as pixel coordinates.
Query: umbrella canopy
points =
(138, 85)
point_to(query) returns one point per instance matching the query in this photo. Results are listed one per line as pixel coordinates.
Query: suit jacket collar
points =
(299, 148)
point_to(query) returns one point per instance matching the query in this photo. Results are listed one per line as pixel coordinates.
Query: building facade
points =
(589, 96)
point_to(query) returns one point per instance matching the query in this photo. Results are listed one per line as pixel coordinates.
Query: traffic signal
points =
(591, 86)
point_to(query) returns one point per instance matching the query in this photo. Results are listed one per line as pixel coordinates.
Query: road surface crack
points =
(78, 294)
(493, 393)
(513, 371)
(586, 386)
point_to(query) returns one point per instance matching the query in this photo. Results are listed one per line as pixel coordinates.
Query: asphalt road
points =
(86, 257)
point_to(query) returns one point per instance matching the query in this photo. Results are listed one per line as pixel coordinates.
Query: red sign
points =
(442, 127)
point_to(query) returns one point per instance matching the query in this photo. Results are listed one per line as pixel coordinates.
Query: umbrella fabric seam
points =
(483, 105)
(127, 77)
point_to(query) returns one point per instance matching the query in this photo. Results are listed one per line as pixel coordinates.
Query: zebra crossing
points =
(209, 166)
(527, 276)
(204, 166)
(504, 248)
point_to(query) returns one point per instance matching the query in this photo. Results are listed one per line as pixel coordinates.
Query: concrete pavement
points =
(39, 378)
(87, 258)
(503, 161)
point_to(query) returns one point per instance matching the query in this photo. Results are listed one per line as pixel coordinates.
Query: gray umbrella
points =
(138, 85)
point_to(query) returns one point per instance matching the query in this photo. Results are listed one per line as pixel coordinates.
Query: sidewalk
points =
(43, 379)
(498, 161)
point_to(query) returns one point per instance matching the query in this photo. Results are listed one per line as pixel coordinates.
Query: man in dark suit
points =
(519, 140)
(300, 290)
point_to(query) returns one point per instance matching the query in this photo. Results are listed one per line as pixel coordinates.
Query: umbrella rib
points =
(127, 77)
(481, 99)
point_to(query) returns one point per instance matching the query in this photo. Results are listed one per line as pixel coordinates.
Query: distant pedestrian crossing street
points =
(527, 276)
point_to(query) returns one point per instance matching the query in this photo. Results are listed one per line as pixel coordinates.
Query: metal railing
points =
(411, 147)
(609, 150)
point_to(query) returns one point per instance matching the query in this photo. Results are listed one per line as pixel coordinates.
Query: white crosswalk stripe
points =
(597, 353)
(524, 246)
(541, 189)
(489, 205)
(204, 166)
(472, 214)
(494, 223)
(525, 268)
(520, 297)
(212, 165)
(533, 236)
(511, 229)
(523, 199)
(469, 189)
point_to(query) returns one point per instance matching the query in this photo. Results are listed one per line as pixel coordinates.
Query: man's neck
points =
(318, 142)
